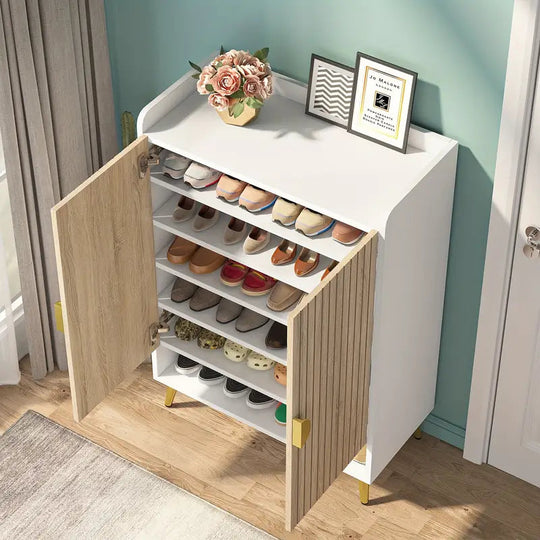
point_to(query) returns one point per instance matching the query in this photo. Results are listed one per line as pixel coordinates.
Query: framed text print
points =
(330, 90)
(382, 102)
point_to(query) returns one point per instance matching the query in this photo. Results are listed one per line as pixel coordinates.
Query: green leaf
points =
(195, 66)
(222, 50)
(209, 87)
(262, 54)
(219, 64)
(256, 103)
(238, 94)
(238, 109)
(196, 75)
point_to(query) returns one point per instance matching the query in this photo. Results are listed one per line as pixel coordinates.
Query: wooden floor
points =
(427, 491)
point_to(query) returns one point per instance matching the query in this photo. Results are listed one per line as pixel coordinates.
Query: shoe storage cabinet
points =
(362, 344)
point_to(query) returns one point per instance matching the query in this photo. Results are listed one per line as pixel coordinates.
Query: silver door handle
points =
(532, 245)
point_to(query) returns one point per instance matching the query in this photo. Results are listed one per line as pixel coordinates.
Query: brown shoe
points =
(283, 296)
(181, 250)
(205, 261)
(307, 262)
(284, 253)
(331, 266)
(276, 337)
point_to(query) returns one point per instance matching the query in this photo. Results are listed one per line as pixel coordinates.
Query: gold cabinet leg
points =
(169, 396)
(418, 434)
(364, 492)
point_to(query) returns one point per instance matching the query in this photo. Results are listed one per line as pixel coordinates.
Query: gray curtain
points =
(57, 122)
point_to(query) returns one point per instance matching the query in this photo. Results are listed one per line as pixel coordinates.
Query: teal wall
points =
(459, 50)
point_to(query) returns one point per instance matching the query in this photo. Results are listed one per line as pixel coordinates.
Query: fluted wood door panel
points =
(105, 255)
(328, 371)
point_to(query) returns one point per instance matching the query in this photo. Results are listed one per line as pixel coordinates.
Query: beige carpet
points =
(56, 484)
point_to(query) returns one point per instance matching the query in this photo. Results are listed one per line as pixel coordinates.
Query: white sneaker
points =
(200, 176)
(174, 165)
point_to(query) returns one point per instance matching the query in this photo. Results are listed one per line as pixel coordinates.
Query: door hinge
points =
(160, 327)
(147, 160)
(301, 428)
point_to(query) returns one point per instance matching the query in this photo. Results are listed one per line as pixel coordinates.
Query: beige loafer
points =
(283, 296)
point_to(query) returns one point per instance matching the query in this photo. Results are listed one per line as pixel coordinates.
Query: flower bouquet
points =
(237, 83)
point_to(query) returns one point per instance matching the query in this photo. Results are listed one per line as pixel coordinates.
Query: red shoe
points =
(257, 284)
(233, 273)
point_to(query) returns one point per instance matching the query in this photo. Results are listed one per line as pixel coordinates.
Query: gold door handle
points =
(301, 428)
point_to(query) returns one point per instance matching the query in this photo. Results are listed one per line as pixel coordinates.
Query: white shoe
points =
(174, 165)
(200, 176)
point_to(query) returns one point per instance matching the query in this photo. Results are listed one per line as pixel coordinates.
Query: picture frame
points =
(329, 90)
(382, 101)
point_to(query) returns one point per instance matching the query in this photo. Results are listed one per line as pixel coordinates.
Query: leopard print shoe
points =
(186, 330)
(210, 340)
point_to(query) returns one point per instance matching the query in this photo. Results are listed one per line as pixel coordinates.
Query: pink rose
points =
(266, 87)
(242, 58)
(252, 86)
(263, 69)
(248, 70)
(218, 101)
(225, 59)
(204, 78)
(226, 81)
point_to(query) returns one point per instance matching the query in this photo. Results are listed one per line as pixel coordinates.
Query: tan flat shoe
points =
(205, 261)
(181, 250)
(284, 253)
(307, 262)
(283, 296)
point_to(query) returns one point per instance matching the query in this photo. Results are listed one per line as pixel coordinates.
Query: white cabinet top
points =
(296, 156)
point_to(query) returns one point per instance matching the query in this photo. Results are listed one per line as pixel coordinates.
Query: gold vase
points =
(248, 114)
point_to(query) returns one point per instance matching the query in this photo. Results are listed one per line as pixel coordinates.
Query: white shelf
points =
(213, 283)
(254, 339)
(299, 157)
(263, 381)
(213, 239)
(213, 396)
(323, 244)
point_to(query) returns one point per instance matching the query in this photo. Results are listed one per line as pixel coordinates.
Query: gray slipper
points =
(228, 311)
(203, 299)
(250, 320)
(182, 290)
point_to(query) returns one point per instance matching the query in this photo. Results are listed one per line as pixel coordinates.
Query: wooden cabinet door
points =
(328, 372)
(105, 255)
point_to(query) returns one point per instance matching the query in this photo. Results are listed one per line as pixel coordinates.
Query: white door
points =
(515, 437)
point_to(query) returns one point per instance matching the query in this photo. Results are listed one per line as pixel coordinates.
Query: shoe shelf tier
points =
(213, 239)
(213, 396)
(263, 381)
(253, 339)
(323, 243)
(212, 283)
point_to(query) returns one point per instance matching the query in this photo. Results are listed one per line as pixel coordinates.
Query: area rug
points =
(57, 484)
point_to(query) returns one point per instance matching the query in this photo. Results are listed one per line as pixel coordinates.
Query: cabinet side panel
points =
(326, 366)
(411, 278)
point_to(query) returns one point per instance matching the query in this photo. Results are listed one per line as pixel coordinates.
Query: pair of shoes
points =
(309, 222)
(195, 174)
(199, 298)
(201, 260)
(283, 296)
(206, 339)
(307, 261)
(186, 209)
(255, 399)
(250, 197)
(253, 283)
(246, 320)
(238, 353)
